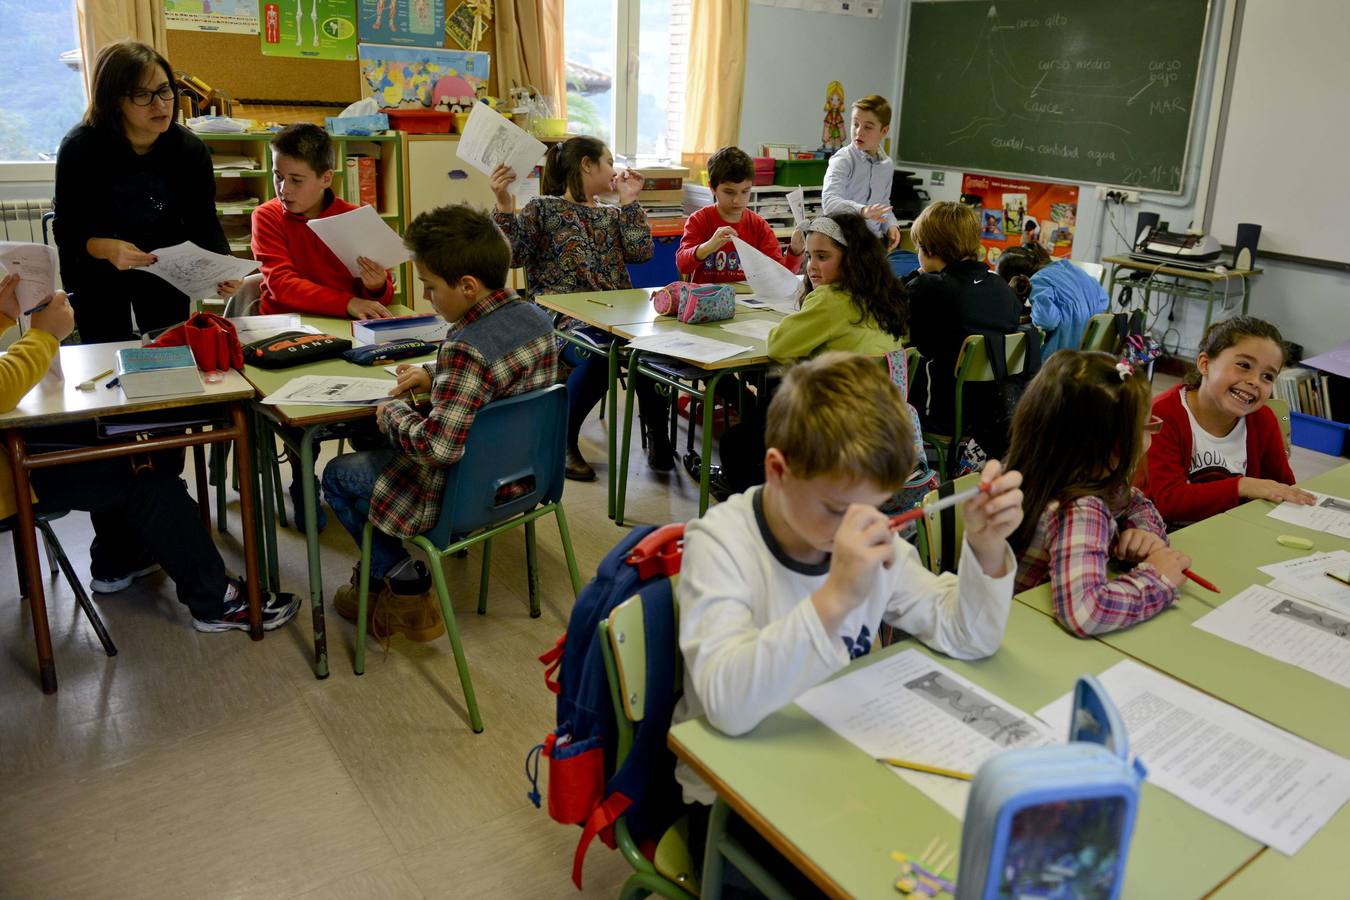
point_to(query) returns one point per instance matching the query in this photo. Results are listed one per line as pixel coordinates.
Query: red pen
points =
(1209, 586)
(918, 511)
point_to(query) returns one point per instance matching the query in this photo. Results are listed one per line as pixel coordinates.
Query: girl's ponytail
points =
(562, 166)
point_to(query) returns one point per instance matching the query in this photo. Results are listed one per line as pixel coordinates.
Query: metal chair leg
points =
(483, 577)
(532, 568)
(81, 597)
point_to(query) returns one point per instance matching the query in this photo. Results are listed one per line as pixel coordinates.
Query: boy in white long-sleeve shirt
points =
(858, 178)
(783, 586)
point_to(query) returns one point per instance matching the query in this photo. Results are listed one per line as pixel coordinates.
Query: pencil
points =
(1202, 582)
(924, 767)
(599, 303)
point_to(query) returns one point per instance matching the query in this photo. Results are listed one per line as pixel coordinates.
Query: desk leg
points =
(612, 398)
(709, 402)
(1246, 293)
(203, 489)
(247, 513)
(262, 466)
(627, 437)
(312, 547)
(26, 544)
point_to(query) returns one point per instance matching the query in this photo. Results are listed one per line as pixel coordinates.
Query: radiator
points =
(21, 220)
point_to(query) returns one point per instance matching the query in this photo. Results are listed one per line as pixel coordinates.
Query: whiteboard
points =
(1286, 146)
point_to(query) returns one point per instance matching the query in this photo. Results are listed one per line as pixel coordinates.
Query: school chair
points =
(1100, 335)
(1281, 410)
(973, 365)
(670, 872)
(511, 473)
(56, 558)
(940, 533)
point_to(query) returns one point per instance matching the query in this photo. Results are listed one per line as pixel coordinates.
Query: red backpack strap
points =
(601, 819)
(552, 660)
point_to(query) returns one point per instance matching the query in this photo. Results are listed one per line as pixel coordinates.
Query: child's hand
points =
(1265, 489)
(1135, 544)
(225, 290)
(991, 517)
(500, 181)
(875, 211)
(892, 238)
(1170, 563)
(379, 417)
(629, 184)
(862, 544)
(121, 254)
(9, 297)
(797, 246)
(411, 380)
(719, 237)
(58, 319)
(358, 308)
(373, 275)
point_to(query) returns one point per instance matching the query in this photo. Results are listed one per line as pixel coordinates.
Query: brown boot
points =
(344, 598)
(415, 616)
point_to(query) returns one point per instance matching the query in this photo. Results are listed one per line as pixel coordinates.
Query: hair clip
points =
(1124, 369)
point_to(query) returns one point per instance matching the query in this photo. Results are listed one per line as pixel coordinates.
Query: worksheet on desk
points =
(1271, 785)
(1306, 578)
(1282, 627)
(909, 706)
(1328, 513)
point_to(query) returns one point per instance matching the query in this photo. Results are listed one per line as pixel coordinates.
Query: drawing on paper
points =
(497, 149)
(1308, 615)
(989, 719)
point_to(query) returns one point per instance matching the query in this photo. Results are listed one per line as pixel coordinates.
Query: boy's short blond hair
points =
(839, 415)
(949, 231)
(877, 106)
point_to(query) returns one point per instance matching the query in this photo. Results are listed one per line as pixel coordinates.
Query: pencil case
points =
(694, 304)
(294, 348)
(375, 354)
(1055, 821)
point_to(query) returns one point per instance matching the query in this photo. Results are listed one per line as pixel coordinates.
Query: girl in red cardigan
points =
(1220, 444)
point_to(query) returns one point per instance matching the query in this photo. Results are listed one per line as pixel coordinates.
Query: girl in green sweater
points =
(855, 302)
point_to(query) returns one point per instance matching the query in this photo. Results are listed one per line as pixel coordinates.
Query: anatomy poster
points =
(234, 16)
(416, 22)
(308, 29)
(1016, 211)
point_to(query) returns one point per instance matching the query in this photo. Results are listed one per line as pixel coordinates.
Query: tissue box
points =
(377, 331)
(357, 125)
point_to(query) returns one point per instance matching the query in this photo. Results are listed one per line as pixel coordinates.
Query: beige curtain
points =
(104, 22)
(529, 47)
(717, 30)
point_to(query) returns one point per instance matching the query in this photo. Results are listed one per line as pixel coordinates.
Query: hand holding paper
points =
(770, 280)
(35, 264)
(491, 140)
(195, 271)
(796, 201)
(361, 233)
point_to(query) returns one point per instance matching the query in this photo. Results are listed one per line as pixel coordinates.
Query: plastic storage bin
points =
(420, 121)
(794, 172)
(1316, 433)
(764, 170)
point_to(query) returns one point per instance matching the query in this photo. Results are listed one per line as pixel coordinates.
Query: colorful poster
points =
(1016, 211)
(233, 16)
(413, 22)
(308, 29)
(459, 25)
(414, 77)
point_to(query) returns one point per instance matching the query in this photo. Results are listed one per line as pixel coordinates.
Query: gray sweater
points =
(856, 179)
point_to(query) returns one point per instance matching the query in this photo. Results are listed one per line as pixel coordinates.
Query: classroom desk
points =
(1335, 481)
(1205, 289)
(837, 814)
(756, 357)
(52, 404)
(300, 428)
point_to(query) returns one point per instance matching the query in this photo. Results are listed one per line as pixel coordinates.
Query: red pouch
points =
(576, 778)
(213, 340)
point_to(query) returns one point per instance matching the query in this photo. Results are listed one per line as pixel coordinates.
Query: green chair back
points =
(973, 365)
(1281, 410)
(1100, 334)
(930, 527)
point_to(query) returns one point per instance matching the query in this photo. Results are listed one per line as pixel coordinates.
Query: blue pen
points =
(112, 384)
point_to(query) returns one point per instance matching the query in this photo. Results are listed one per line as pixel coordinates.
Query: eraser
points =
(1298, 543)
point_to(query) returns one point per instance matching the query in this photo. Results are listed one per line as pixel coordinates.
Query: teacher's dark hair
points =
(117, 72)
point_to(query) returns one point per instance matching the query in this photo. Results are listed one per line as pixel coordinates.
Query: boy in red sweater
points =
(706, 252)
(300, 274)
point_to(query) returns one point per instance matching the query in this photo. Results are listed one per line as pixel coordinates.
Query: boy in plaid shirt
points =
(498, 346)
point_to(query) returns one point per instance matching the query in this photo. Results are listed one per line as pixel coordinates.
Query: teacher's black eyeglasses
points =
(145, 98)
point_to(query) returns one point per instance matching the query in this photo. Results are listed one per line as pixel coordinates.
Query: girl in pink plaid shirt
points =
(1079, 432)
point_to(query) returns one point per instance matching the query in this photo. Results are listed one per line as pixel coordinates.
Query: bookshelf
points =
(240, 189)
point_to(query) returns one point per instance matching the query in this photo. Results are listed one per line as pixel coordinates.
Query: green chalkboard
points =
(1079, 90)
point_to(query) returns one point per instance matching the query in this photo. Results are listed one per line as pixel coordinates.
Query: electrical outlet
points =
(1116, 195)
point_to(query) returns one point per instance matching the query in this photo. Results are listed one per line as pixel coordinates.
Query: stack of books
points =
(157, 372)
(1305, 390)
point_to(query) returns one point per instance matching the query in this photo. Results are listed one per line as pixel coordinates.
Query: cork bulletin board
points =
(234, 63)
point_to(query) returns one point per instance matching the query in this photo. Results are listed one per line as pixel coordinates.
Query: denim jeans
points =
(348, 482)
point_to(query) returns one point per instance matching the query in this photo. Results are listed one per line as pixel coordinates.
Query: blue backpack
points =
(584, 785)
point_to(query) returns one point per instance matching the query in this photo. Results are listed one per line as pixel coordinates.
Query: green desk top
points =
(1336, 481)
(1227, 551)
(840, 814)
(603, 309)
(268, 381)
(1318, 870)
(757, 355)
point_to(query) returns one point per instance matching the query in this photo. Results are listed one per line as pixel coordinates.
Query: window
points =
(640, 111)
(41, 88)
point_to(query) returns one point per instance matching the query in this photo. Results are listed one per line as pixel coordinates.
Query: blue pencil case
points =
(1055, 821)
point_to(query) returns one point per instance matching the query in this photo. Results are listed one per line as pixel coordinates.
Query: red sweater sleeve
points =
(1265, 448)
(285, 287)
(1168, 485)
(697, 229)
